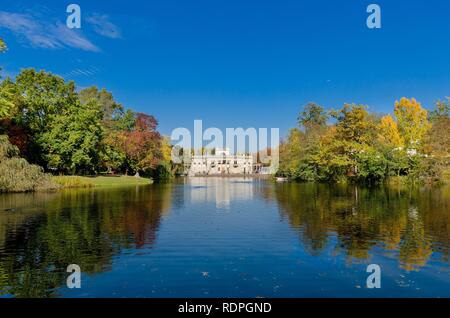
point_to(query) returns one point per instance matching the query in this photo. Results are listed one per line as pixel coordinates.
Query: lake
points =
(226, 237)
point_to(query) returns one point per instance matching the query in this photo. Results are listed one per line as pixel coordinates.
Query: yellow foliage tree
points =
(388, 132)
(412, 121)
(166, 149)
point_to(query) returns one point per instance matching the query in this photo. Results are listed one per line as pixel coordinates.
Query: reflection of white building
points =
(220, 163)
(222, 191)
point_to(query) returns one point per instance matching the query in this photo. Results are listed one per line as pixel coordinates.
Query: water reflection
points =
(85, 227)
(415, 223)
(40, 234)
(221, 191)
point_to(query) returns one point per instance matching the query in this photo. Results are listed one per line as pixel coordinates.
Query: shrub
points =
(162, 172)
(17, 175)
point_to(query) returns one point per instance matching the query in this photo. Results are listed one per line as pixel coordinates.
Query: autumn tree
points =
(298, 151)
(388, 132)
(352, 146)
(313, 115)
(142, 145)
(412, 121)
(436, 145)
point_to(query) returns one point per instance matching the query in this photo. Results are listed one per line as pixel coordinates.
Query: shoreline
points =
(227, 176)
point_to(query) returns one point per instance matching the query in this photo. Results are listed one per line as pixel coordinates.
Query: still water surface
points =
(233, 237)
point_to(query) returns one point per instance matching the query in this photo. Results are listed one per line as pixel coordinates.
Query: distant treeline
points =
(353, 144)
(85, 132)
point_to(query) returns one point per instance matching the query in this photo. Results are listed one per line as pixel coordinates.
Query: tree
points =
(142, 145)
(355, 132)
(42, 97)
(297, 153)
(115, 119)
(72, 141)
(7, 103)
(112, 111)
(354, 124)
(313, 115)
(388, 132)
(412, 121)
(436, 147)
(442, 109)
(39, 98)
(291, 154)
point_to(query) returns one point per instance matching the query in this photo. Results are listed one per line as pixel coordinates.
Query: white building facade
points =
(220, 163)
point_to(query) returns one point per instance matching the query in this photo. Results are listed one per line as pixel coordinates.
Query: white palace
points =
(220, 163)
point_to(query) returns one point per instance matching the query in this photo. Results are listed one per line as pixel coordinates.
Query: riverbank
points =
(101, 181)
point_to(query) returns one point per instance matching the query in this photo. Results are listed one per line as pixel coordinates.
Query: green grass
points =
(88, 182)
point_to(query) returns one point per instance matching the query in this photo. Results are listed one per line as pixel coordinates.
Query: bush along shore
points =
(17, 175)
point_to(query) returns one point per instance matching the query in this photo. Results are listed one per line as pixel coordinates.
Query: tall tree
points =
(412, 121)
(111, 109)
(348, 142)
(115, 119)
(142, 145)
(40, 98)
(313, 115)
(72, 141)
(388, 132)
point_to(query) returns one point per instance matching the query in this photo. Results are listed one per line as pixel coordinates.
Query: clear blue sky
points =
(237, 62)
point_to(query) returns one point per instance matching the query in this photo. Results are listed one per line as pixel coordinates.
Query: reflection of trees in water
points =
(416, 223)
(415, 248)
(84, 227)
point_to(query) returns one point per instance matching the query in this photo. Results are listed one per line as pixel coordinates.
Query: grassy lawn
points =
(102, 181)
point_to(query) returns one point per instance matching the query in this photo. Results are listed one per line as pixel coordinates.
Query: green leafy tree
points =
(72, 141)
(313, 115)
(297, 153)
(112, 111)
(7, 99)
(352, 137)
(40, 98)
(115, 119)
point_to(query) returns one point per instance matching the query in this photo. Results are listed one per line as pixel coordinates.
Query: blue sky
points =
(237, 63)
